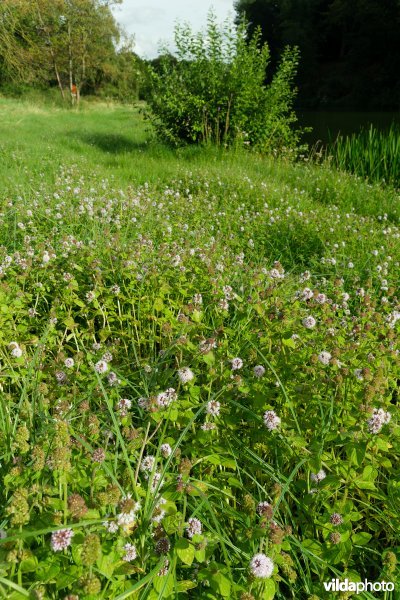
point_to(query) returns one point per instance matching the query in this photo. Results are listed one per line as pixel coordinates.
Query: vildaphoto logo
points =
(336, 585)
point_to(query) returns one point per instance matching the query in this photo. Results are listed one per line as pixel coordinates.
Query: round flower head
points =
(264, 509)
(271, 420)
(185, 374)
(69, 363)
(324, 357)
(194, 527)
(261, 566)
(336, 519)
(166, 450)
(147, 464)
(213, 408)
(130, 553)
(16, 352)
(317, 477)
(378, 420)
(259, 371)
(237, 363)
(309, 322)
(61, 539)
(101, 366)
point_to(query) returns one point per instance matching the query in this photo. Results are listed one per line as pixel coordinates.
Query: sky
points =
(153, 21)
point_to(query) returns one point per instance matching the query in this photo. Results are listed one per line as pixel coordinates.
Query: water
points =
(327, 125)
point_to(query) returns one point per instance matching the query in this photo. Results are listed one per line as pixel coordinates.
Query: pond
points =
(328, 124)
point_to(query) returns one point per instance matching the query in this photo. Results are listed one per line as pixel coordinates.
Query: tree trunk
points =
(52, 54)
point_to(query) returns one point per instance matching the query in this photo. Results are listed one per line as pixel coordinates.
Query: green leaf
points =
(185, 551)
(183, 586)
(221, 584)
(164, 585)
(361, 538)
(158, 304)
(269, 589)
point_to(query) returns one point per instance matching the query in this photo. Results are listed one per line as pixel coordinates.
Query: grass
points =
(198, 364)
(372, 154)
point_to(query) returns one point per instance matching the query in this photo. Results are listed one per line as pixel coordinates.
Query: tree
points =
(70, 41)
(214, 91)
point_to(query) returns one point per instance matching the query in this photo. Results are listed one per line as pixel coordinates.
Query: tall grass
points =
(371, 153)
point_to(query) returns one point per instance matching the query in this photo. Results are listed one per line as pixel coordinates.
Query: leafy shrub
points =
(215, 91)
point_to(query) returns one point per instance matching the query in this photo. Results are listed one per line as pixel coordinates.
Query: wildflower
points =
(77, 506)
(112, 378)
(223, 304)
(111, 526)
(165, 450)
(147, 464)
(101, 366)
(123, 405)
(185, 374)
(335, 537)
(115, 289)
(96, 346)
(317, 477)
(90, 296)
(130, 553)
(213, 408)
(164, 399)
(143, 403)
(69, 363)
(309, 322)
(324, 357)
(336, 519)
(198, 299)
(271, 420)
(320, 299)
(259, 371)
(16, 352)
(194, 527)
(163, 546)
(237, 364)
(107, 357)
(61, 377)
(99, 455)
(264, 509)
(358, 373)
(61, 539)
(164, 570)
(208, 426)
(378, 420)
(261, 566)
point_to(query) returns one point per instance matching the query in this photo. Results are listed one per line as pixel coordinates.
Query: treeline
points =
(350, 50)
(73, 45)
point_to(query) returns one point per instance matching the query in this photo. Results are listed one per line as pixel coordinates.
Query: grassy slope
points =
(288, 214)
(115, 141)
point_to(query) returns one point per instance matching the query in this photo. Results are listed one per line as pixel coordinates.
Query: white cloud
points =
(154, 23)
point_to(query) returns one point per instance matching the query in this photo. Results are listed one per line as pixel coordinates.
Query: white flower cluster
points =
(379, 418)
(271, 420)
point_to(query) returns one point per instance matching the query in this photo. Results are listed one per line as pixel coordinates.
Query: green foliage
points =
(166, 283)
(215, 91)
(372, 154)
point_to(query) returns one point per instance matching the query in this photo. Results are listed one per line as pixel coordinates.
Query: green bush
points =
(215, 92)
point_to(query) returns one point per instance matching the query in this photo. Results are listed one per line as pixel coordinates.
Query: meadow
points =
(199, 367)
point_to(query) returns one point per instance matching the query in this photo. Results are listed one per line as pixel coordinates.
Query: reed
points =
(371, 153)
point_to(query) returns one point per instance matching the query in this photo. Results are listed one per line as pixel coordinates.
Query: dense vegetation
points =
(199, 367)
(73, 45)
(372, 154)
(212, 91)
